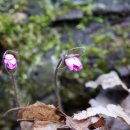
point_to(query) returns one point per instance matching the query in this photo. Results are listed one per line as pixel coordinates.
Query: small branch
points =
(56, 89)
(15, 91)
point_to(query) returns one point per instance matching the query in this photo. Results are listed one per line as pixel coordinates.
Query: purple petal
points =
(73, 63)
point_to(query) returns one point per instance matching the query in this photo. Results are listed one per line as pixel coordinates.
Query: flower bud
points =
(10, 61)
(73, 63)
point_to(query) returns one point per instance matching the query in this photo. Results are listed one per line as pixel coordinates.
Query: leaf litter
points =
(102, 115)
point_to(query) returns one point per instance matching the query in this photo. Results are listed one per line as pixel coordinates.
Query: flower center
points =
(75, 67)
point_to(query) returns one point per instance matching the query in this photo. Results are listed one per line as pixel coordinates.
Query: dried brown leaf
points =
(39, 125)
(109, 80)
(101, 122)
(46, 125)
(42, 112)
(110, 111)
(40, 116)
(85, 124)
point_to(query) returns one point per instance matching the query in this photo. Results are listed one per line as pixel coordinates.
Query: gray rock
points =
(123, 71)
(41, 78)
(73, 14)
(116, 6)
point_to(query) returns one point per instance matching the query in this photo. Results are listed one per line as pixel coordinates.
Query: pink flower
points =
(10, 61)
(73, 63)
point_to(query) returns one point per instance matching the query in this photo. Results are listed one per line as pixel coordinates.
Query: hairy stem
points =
(15, 91)
(56, 89)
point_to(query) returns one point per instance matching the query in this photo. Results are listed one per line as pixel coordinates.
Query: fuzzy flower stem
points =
(14, 89)
(56, 89)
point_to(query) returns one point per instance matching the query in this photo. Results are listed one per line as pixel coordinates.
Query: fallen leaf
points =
(47, 117)
(42, 112)
(101, 122)
(109, 80)
(126, 104)
(26, 125)
(110, 111)
(40, 116)
(89, 123)
(118, 125)
(46, 125)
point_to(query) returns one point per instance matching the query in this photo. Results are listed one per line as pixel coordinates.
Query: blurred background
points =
(41, 30)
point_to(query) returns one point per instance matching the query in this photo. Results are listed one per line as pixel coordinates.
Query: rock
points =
(41, 78)
(123, 71)
(73, 14)
(116, 6)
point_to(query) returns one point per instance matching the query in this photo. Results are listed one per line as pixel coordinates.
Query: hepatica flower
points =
(73, 63)
(9, 61)
(69, 59)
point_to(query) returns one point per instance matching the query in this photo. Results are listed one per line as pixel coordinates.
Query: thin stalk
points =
(15, 91)
(56, 89)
